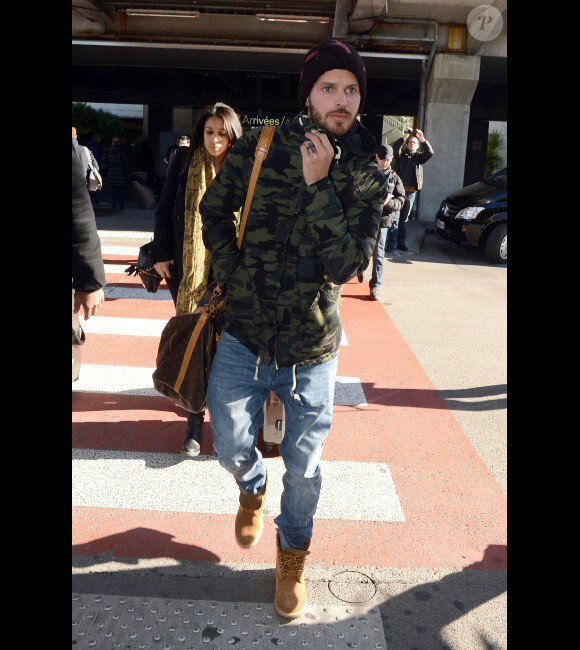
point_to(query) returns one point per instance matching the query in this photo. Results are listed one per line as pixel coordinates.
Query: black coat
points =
(88, 271)
(394, 187)
(117, 166)
(170, 213)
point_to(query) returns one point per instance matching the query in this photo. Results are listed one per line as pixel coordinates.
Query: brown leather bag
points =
(188, 343)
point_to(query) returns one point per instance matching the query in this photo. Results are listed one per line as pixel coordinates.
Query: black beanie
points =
(330, 55)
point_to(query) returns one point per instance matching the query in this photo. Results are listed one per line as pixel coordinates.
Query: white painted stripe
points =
(118, 268)
(168, 482)
(127, 234)
(126, 326)
(133, 251)
(116, 292)
(135, 326)
(128, 380)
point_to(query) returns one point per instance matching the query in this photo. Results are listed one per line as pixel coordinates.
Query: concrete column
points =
(450, 89)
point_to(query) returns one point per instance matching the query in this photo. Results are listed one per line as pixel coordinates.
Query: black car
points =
(477, 216)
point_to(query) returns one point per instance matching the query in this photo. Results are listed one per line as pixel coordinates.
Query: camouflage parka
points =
(301, 243)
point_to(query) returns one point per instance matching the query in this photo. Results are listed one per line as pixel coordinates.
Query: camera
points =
(411, 131)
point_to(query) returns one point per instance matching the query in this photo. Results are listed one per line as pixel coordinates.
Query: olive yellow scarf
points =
(196, 258)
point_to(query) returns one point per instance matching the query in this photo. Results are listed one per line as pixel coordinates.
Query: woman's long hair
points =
(232, 123)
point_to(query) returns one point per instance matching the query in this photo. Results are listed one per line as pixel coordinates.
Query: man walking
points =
(411, 151)
(312, 225)
(393, 203)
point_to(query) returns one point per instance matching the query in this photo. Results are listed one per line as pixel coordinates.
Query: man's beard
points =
(328, 124)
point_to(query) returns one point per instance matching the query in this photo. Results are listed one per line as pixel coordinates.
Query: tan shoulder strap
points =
(261, 152)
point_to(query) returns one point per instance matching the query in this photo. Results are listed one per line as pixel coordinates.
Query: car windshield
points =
(498, 178)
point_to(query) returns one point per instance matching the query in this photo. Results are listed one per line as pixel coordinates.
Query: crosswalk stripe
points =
(120, 250)
(124, 326)
(138, 235)
(116, 268)
(164, 482)
(129, 380)
(136, 326)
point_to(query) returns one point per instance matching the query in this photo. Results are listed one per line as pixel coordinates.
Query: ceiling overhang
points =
(397, 40)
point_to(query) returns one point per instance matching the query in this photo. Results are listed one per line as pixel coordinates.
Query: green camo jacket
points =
(301, 244)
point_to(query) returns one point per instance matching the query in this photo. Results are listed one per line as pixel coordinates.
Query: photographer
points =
(412, 151)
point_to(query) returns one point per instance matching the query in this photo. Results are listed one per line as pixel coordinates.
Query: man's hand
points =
(317, 153)
(163, 268)
(420, 135)
(90, 301)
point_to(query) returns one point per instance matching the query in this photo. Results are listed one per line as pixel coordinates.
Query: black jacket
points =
(170, 213)
(394, 187)
(88, 271)
(406, 161)
(117, 166)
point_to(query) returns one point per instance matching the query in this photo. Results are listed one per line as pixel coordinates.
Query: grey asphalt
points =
(450, 306)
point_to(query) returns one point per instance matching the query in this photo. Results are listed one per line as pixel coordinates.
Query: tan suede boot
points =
(250, 520)
(290, 600)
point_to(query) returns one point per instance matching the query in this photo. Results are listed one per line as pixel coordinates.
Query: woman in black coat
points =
(117, 173)
(182, 259)
(88, 271)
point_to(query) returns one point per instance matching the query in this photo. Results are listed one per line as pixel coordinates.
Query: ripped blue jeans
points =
(237, 390)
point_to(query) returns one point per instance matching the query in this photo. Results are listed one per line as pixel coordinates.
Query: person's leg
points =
(192, 441)
(307, 393)
(308, 409)
(404, 218)
(378, 260)
(235, 398)
(392, 233)
(234, 402)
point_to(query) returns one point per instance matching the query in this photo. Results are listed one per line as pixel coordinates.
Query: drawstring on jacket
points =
(258, 362)
(294, 381)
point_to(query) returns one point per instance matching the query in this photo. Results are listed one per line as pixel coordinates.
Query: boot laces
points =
(291, 564)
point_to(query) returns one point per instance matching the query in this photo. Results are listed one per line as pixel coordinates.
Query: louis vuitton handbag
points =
(188, 343)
